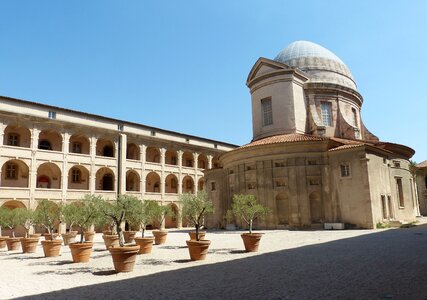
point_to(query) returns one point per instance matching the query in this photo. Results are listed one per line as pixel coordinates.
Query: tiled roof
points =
(284, 138)
(343, 147)
(422, 164)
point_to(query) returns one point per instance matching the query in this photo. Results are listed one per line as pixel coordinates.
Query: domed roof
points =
(318, 62)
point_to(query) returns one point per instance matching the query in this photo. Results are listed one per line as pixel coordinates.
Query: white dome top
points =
(318, 62)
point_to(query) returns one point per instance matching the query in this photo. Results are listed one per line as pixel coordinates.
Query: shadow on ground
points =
(389, 264)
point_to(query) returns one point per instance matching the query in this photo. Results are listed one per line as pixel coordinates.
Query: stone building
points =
(422, 186)
(58, 154)
(312, 160)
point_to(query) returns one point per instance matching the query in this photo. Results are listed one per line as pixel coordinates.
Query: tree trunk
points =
(250, 225)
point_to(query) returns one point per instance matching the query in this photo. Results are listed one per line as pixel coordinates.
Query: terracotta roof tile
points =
(284, 138)
(343, 147)
(422, 164)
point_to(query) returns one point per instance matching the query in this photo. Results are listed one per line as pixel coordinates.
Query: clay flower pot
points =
(192, 234)
(110, 240)
(48, 237)
(160, 236)
(35, 235)
(3, 241)
(69, 237)
(29, 245)
(88, 235)
(129, 236)
(198, 249)
(124, 257)
(145, 244)
(13, 244)
(51, 248)
(81, 251)
(251, 241)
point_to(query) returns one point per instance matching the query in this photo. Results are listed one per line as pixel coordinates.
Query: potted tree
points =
(12, 241)
(248, 209)
(3, 224)
(84, 213)
(47, 215)
(159, 213)
(124, 256)
(141, 216)
(69, 214)
(25, 218)
(194, 208)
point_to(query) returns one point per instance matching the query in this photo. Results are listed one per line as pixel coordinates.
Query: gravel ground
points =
(348, 264)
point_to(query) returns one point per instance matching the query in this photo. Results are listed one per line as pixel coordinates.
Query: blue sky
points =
(182, 65)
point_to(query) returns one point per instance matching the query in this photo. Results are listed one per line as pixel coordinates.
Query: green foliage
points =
(159, 212)
(4, 217)
(47, 214)
(413, 167)
(118, 211)
(143, 214)
(195, 207)
(380, 225)
(248, 209)
(24, 217)
(9, 220)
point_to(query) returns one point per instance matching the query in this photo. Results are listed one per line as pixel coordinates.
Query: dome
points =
(319, 63)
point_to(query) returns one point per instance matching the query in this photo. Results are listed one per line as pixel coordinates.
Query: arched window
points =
(45, 145)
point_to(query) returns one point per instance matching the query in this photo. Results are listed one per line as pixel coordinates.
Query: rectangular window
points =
(353, 110)
(396, 163)
(390, 207)
(345, 170)
(400, 192)
(384, 207)
(326, 109)
(13, 139)
(52, 115)
(267, 112)
(75, 176)
(11, 171)
(213, 187)
(77, 147)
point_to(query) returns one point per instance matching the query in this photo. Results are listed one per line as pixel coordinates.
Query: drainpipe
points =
(119, 166)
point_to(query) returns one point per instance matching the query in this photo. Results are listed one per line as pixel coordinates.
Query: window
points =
(120, 127)
(280, 183)
(216, 146)
(345, 170)
(353, 110)
(45, 145)
(153, 133)
(400, 192)
(76, 176)
(396, 164)
(187, 140)
(314, 182)
(251, 186)
(77, 147)
(390, 207)
(52, 115)
(11, 171)
(173, 160)
(384, 207)
(326, 109)
(267, 112)
(13, 139)
(213, 187)
(279, 164)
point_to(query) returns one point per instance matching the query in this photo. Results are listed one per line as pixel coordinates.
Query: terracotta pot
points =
(198, 249)
(129, 236)
(51, 248)
(107, 232)
(145, 244)
(88, 235)
(35, 235)
(81, 251)
(29, 245)
(110, 240)
(124, 257)
(160, 236)
(251, 241)
(3, 241)
(69, 238)
(48, 237)
(202, 235)
(13, 244)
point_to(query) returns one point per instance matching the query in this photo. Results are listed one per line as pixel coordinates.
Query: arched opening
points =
(132, 181)
(201, 184)
(48, 176)
(188, 159)
(282, 208)
(19, 230)
(171, 221)
(152, 183)
(171, 158)
(79, 144)
(18, 136)
(105, 148)
(105, 179)
(316, 208)
(215, 163)
(188, 185)
(202, 161)
(152, 154)
(50, 140)
(14, 173)
(171, 184)
(78, 178)
(132, 151)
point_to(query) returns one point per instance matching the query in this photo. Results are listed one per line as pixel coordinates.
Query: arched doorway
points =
(105, 179)
(171, 221)
(282, 208)
(316, 208)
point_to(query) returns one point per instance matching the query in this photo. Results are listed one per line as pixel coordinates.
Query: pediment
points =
(264, 66)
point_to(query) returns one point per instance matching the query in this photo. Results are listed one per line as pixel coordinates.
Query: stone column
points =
(2, 128)
(92, 172)
(162, 176)
(143, 149)
(122, 162)
(65, 148)
(210, 158)
(196, 177)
